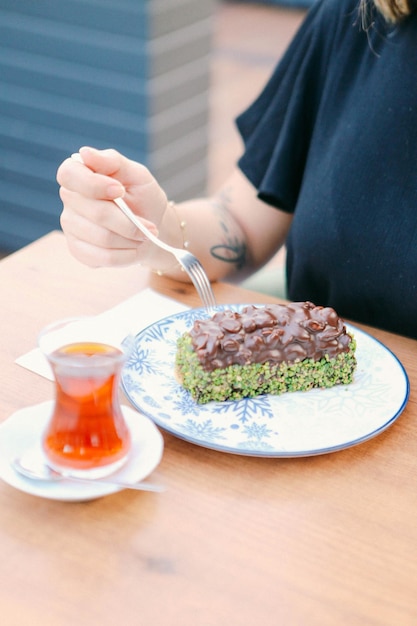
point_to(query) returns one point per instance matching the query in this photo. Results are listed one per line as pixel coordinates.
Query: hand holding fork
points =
(187, 260)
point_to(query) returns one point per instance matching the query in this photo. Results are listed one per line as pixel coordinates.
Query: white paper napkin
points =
(130, 316)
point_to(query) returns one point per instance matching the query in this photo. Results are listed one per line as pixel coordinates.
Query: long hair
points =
(392, 10)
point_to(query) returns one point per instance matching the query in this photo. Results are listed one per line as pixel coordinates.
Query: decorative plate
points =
(290, 425)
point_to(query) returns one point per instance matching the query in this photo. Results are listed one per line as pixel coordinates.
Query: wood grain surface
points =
(234, 541)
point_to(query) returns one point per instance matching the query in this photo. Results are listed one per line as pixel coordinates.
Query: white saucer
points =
(22, 431)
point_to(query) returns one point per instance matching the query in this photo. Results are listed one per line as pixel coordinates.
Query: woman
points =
(329, 168)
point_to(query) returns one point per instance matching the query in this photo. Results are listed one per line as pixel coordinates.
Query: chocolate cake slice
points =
(270, 349)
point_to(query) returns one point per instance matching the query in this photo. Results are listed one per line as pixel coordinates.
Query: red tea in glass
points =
(87, 433)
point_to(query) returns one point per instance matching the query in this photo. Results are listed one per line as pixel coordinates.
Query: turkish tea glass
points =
(87, 434)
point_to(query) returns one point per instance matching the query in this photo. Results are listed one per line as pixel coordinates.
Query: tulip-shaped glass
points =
(87, 434)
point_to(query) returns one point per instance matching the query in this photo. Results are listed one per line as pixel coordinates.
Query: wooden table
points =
(327, 540)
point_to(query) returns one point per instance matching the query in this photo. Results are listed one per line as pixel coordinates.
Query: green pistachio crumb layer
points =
(236, 381)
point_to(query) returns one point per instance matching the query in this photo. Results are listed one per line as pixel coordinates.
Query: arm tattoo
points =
(232, 247)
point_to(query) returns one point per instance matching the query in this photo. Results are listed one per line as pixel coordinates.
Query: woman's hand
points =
(97, 232)
(232, 233)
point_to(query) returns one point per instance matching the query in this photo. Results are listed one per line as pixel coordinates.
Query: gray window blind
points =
(130, 74)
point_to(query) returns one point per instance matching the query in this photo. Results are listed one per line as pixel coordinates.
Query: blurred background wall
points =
(302, 4)
(137, 75)
(131, 74)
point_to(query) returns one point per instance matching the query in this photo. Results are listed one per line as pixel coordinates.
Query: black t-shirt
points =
(333, 139)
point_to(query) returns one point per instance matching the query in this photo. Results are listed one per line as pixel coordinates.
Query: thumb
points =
(111, 163)
(105, 162)
(141, 190)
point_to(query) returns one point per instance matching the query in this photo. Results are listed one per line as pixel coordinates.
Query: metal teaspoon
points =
(41, 471)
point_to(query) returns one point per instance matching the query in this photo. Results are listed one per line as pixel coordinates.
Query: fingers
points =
(95, 256)
(102, 174)
(76, 176)
(84, 215)
(106, 175)
(111, 231)
(97, 231)
(97, 246)
(113, 164)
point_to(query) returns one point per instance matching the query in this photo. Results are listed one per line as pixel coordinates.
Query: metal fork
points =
(188, 261)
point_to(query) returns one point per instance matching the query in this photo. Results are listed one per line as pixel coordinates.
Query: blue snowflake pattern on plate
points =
(293, 424)
(198, 430)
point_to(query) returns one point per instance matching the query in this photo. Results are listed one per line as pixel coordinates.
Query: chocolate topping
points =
(273, 333)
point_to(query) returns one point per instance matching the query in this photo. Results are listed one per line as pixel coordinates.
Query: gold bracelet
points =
(185, 243)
